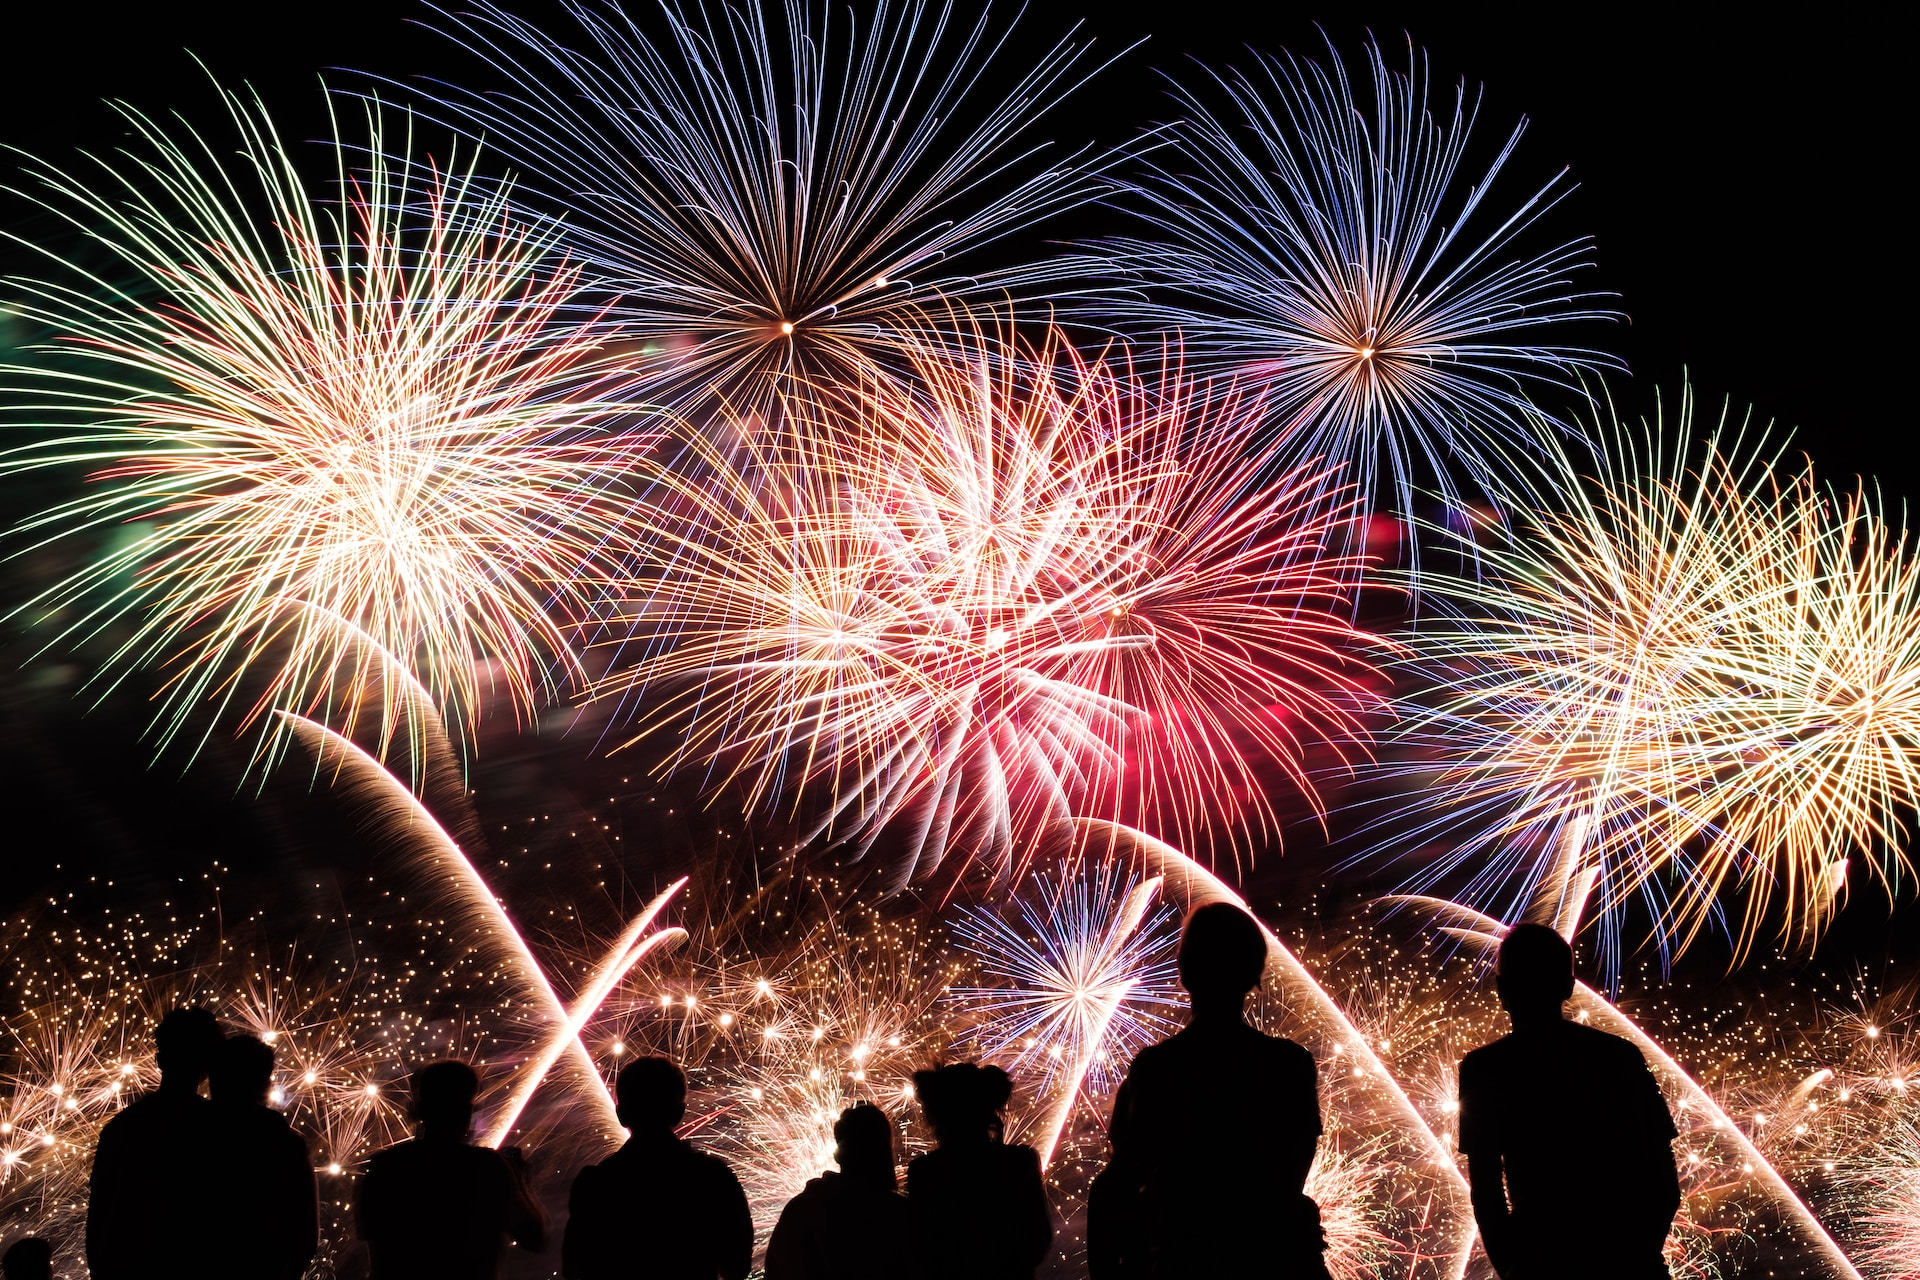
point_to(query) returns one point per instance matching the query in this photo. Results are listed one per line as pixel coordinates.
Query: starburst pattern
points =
(318, 426)
(1694, 673)
(766, 196)
(1325, 249)
(995, 594)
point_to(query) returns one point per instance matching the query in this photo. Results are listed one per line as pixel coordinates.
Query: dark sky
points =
(1737, 179)
(1737, 175)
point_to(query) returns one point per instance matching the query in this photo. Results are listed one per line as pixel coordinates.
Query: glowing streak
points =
(1130, 917)
(402, 808)
(1188, 880)
(629, 951)
(1599, 1013)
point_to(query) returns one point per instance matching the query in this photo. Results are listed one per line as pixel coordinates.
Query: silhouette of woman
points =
(850, 1225)
(979, 1209)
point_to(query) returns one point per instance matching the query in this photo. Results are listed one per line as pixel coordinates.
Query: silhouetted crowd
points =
(1213, 1134)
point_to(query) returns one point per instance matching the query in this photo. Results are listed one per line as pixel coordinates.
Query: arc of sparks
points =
(1485, 931)
(1187, 879)
(627, 952)
(373, 779)
(1132, 912)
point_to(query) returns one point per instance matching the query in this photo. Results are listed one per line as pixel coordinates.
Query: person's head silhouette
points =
(242, 1071)
(1222, 955)
(962, 1101)
(28, 1259)
(443, 1100)
(650, 1097)
(863, 1137)
(184, 1044)
(1534, 974)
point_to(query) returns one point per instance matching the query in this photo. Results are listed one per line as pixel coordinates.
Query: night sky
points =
(1735, 177)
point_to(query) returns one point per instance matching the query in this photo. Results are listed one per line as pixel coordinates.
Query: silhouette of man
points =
(146, 1207)
(850, 1225)
(265, 1210)
(1187, 1196)
(1562, 1124)
(978, 1204)
(658, 1207)
(29, 1258)
(436, 1207)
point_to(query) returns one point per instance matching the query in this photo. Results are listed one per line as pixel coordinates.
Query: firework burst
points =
(1004, 593)
(762, 192)
(1085, 973)
(1324, 250)
(1687, 675)
(319, 425)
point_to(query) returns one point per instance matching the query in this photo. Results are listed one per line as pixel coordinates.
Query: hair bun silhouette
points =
(962, 1097)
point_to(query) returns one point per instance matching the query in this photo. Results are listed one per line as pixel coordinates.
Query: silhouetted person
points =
(1194, 1191)
(438, 1208)
(979, 1208)
(146, 1209)
(659, 1207)
(265, 1211)
(1563, 1126)
(28, 1259)
(850, 1225)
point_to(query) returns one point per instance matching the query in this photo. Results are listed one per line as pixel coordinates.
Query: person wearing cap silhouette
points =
(1213, 1134)
(1563, 1126)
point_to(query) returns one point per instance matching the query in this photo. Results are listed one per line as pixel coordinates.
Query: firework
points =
(762, 192)
(785, 1012)
(83, 999)
(318, 426)
(386, 806)
(1347, 1183)
(1370, 1098)
(1002, 596)
(1085, 978)
(1325, 250)
(1691, 674)
(1711, 1146)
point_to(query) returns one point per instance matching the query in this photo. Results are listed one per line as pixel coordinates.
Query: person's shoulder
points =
(1487, 1057)
(1617, 1052)
(1021, 1156)
(1149, 1059)
(712, 1167)
(1283, 1050)
(397, 1156)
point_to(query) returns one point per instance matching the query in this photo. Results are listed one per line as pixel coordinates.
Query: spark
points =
(1326, 250)
(767, 196)
(1085, 976)
(327, 422)
(991, 598)
(1696, 671)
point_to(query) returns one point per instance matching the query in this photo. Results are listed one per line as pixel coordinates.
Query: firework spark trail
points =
(389, 805)
(1187, 881)
(367, 408)
(1070, 1094)
(992, 599)
(629, 950)
(1078, 960)
(758, 241)
(1704, 673)
(1889, 1229)
(1320, 249)
(1484, 931)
